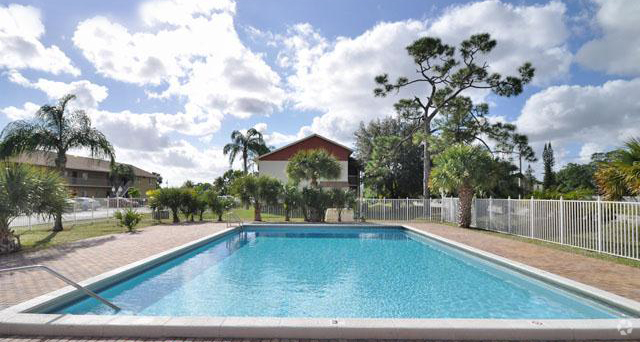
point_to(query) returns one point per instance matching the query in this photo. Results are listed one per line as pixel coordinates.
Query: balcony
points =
(77, 181)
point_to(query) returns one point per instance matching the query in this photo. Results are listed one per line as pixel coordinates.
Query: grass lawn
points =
(41, 236)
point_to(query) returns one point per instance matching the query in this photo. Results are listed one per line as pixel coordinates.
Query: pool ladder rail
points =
(233, 218)
(66, 280)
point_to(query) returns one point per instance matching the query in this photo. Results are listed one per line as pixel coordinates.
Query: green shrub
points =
(315, 202)
(189, 203)
(257, 191)
(342, 198)
(219, 204)
(128, 218)
(171, 198)
(291, 198)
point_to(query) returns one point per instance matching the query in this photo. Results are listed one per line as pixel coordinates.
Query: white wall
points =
(278, 169)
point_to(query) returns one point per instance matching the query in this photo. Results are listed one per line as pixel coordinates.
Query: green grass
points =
(41, 236)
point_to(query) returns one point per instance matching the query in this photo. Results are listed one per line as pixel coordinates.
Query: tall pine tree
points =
(549, 180)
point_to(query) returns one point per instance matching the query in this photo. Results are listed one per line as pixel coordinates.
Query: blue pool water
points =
(337, 272)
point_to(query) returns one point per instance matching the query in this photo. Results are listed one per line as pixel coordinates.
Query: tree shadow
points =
(46, 240)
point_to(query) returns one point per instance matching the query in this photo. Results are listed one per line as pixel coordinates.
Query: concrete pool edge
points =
(17, 321)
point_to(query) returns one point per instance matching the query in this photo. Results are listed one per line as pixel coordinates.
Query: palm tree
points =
(57, 130)
(25, 190)
(119, 176)
(462, 168)
(312, 165)
(247, 145)
(621, 175)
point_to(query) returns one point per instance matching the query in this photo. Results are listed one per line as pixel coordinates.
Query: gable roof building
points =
(274, 163)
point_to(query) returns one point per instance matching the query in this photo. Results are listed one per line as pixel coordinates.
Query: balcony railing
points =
(87, 182)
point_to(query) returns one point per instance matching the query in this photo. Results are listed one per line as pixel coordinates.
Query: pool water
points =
(337, 272)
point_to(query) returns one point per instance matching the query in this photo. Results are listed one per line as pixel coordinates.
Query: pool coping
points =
(17, 320)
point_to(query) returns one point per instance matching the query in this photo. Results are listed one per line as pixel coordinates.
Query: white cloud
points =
(617, 51)
(589, 149)
(88, 94)
(191, 50)
(20, 48)
(336, 77)
(600, 116)
(26, 112)
(261, 127)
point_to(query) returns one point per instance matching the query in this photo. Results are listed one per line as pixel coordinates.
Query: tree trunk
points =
(57, 225)
(287, 215)
(244, 161)
(256, 211)
(339, 215)
(465, 192)
(176, 219)
(61, 162)
(219, 217)
(520, 189)
(426, 164)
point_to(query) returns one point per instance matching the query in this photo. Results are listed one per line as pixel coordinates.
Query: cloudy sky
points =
(167, 81)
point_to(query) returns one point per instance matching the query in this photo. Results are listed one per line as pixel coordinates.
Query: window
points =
(74, 174)
(85, 176)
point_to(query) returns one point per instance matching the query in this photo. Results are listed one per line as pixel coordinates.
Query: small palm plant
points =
(312, 165)
(463, 169)
(25, 190)
(621, 175)
(291, 198)
(128, 218)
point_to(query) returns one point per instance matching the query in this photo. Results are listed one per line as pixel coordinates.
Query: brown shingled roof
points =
(75, 163)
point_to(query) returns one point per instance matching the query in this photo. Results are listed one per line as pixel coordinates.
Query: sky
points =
(167, 81)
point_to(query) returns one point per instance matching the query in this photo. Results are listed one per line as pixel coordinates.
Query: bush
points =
(26, 190)
(189, 203)
(315, 202)
(133, 192)
(291, 199)
(258, 191)
(219, 204)
(171, 198)
(129, 219)
(341, 199)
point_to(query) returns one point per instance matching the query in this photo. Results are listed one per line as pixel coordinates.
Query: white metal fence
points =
(84, 209)
(601, 226)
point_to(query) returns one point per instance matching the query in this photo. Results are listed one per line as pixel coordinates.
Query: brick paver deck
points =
(616, 278)
(86, 258)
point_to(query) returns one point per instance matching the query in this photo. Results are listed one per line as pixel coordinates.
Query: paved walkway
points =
(86, 258)
(616, 278)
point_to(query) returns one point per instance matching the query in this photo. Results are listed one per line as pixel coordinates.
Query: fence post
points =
(599, 225)
(561, 220)
(509, 214)
(442, 202)
(384, 209)
(490, 213)
(407, 208)
(531, 207)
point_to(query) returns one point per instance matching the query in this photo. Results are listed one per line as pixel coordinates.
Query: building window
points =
(85, 176)
(74, 174)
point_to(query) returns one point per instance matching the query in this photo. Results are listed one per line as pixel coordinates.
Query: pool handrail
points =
(233, 218)
(65, 279)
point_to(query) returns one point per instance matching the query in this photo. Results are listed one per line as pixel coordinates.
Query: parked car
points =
(86, 203)
(121, 202)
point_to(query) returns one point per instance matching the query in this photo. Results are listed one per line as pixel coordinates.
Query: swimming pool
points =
(347, 272)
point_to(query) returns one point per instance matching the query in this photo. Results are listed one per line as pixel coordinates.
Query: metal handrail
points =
(234, 217)
(66, 280)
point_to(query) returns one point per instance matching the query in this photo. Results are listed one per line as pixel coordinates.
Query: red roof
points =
(313, 141)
